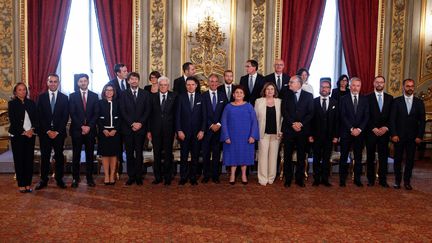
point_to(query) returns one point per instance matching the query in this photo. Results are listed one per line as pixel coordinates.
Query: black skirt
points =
(109, 146)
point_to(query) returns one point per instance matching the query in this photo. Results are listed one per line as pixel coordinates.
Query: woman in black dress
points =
(153, 80)
(109, 136)
(22, 118)
(342, 87)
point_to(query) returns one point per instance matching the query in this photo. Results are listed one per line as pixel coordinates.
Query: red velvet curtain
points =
(47, 21)
(115, 26)
(359, 23)
(301, 24)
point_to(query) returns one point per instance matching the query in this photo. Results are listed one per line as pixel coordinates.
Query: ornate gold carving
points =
(425, 44)
(426, 96)
(278, 29)
(136, 37)
(6, 45)
(380, 38)
(257, 45)
(397, 43)
(157, 35)
(207, 54)
(23, 40)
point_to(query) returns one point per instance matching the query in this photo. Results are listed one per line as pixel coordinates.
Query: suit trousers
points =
(46, 145)
(268, 148)
(408, 146)
(321, 160)
(211, 149)
(163, 147)
(357, 144)
(134, 143)
(23, 155)
(297, 142)
(190, 144)
(89, 143)
(380, 144)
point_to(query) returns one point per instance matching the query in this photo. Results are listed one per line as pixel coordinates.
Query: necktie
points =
(191, 101)
(84, 100)
(278, 83)
(355, 103)
(324, 104)
(229, 93)
(52, 102)
(380, 102)
(214, 100)
(135, 95)
(409, 105)
(295, 97)
(123, 87)
(250, 84)
(163, 102)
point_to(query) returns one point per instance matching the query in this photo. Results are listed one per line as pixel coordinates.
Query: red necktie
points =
(84, 100)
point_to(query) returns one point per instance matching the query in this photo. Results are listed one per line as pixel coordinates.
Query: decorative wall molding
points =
(380, 39)
(136, 37)
(7, 51)
(425, 44)
(258, 26)
(397, 46)
(157, 36)
(277, 29)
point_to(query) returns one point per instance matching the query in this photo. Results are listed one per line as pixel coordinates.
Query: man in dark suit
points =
(297, 112)
(214, 102)
(252, 81)
(378, 135)
(180, 82)
(83, 108)
(354, 115)
(279, 78)
(407, 127)
(228, 85)
(53, 113)
(190, 127)
(120, 84)
(134, 108)
(324, 132)
(162, 130)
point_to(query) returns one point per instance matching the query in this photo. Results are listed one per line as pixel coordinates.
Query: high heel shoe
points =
(107, 183)
(244, 182)
(112, 183)
(232, 183)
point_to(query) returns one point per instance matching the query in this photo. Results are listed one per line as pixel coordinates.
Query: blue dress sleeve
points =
(254, 124)
(224, 124)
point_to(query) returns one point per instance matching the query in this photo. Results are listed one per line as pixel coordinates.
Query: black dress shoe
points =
(112, 183)
(193, 182)
(129, 182)
(287, 184)
(74, 184)
(216, 180)
(182, 182)
(61, 185)
(31, 190)
(384, 184)
(155, 182)
(358, 184)
(232, 183)
(107, 183)
(370, 184)
(326, 183)
(139, 182)
(342, 184)
(41, 185)
(22, 190)
(300, 184)
(167, 183)
(205, 180)
(396, 186)
(408, 187)
(315, 183)
(91, 183)
(244, 182)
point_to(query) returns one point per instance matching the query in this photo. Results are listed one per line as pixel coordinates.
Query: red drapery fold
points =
(47, 20)
(359, 23)
(114, 18)
(301, 24)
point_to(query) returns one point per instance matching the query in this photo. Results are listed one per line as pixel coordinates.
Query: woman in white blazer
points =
(268, 110)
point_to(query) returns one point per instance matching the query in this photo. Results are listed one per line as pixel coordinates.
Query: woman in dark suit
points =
(342, 87)
(22, 118)
(153, 82)
(108, 132)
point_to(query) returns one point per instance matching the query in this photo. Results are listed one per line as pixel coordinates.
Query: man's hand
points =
(215, 127)
(297, 126)
(200, 135)
(52, 134)
(136, 126)
(180, 135)
(311, 139)
(395, 139)
(85, 130)
(149, 136)
(355, 132)
(335, 140)
(377, 132)
(418, 140)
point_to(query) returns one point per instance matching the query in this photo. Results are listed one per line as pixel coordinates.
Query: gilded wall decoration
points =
(278, 29)
(258, 25)
(6, 45)
(157, 35)
(380, 38)
(136, 36)
(397, 45)
(425, 46)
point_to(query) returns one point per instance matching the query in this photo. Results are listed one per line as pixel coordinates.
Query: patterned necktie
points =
(355, 104)
(324, 104)
(84, 100)
(163, 102)
(214, 100)
(135, 95)
(250, 84)
(229, 92)
(52, 102)
(191, 101)
(278, 82)
(380, 102)
(123, 87)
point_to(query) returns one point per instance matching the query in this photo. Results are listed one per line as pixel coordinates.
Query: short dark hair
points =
(265, 87)
(380, 76)
(326, 80)
(154, 73)
(407, 79)
(301, 70)
(104, 90)
(133, 74)
(241, 87)
(227, 71)
(16, 87)
(342, 77)
(118, 66)
(82, 75)
(186, 66)
(192, 78)
(54, 75)
(253, 64)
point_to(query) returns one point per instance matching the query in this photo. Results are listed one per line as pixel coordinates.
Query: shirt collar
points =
(254, 75)
(81, 91)
(408, 97)
(191, 93)
(377, 93)
(55, 92)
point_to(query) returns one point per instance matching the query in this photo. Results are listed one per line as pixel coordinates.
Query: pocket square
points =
(221, 101)
(198, 103)
(333, 107)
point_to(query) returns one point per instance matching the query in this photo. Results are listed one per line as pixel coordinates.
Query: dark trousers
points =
(134, 155)
(409, 147)
(190, 144)
(89, 143)
(297, 142)
(23, 155)
(163, 147)
(321, 160)
(380, 144)
(211, 149)
(46, 145)
(120, 155)
(357, 144)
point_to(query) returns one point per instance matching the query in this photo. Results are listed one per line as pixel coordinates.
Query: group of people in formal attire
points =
(244, 123)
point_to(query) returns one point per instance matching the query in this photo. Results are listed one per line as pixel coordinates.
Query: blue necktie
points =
(380, 102)
(123, 87)
(52, 102)
(214, 101)
(251, 86)
(191, 101)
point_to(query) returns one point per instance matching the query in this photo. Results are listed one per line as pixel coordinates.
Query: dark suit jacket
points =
(134, 111)
(79, 117)
(324, 126)
(16, 113)
(104, 118)
(60, 117)
(407, 126)
(162, 121)
(256, 92)
(180, 86)
(214, 117)
(116, 85)
(302, 112)
(221, 88)
(379, 118)
(349, 119)
(190, 121)
(285, 80)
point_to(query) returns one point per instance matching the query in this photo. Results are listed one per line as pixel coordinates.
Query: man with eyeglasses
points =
(279, 78)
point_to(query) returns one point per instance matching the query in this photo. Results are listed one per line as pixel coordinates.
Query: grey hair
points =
(161, 78)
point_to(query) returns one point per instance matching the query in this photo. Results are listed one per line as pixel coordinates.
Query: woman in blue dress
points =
(239, 133)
